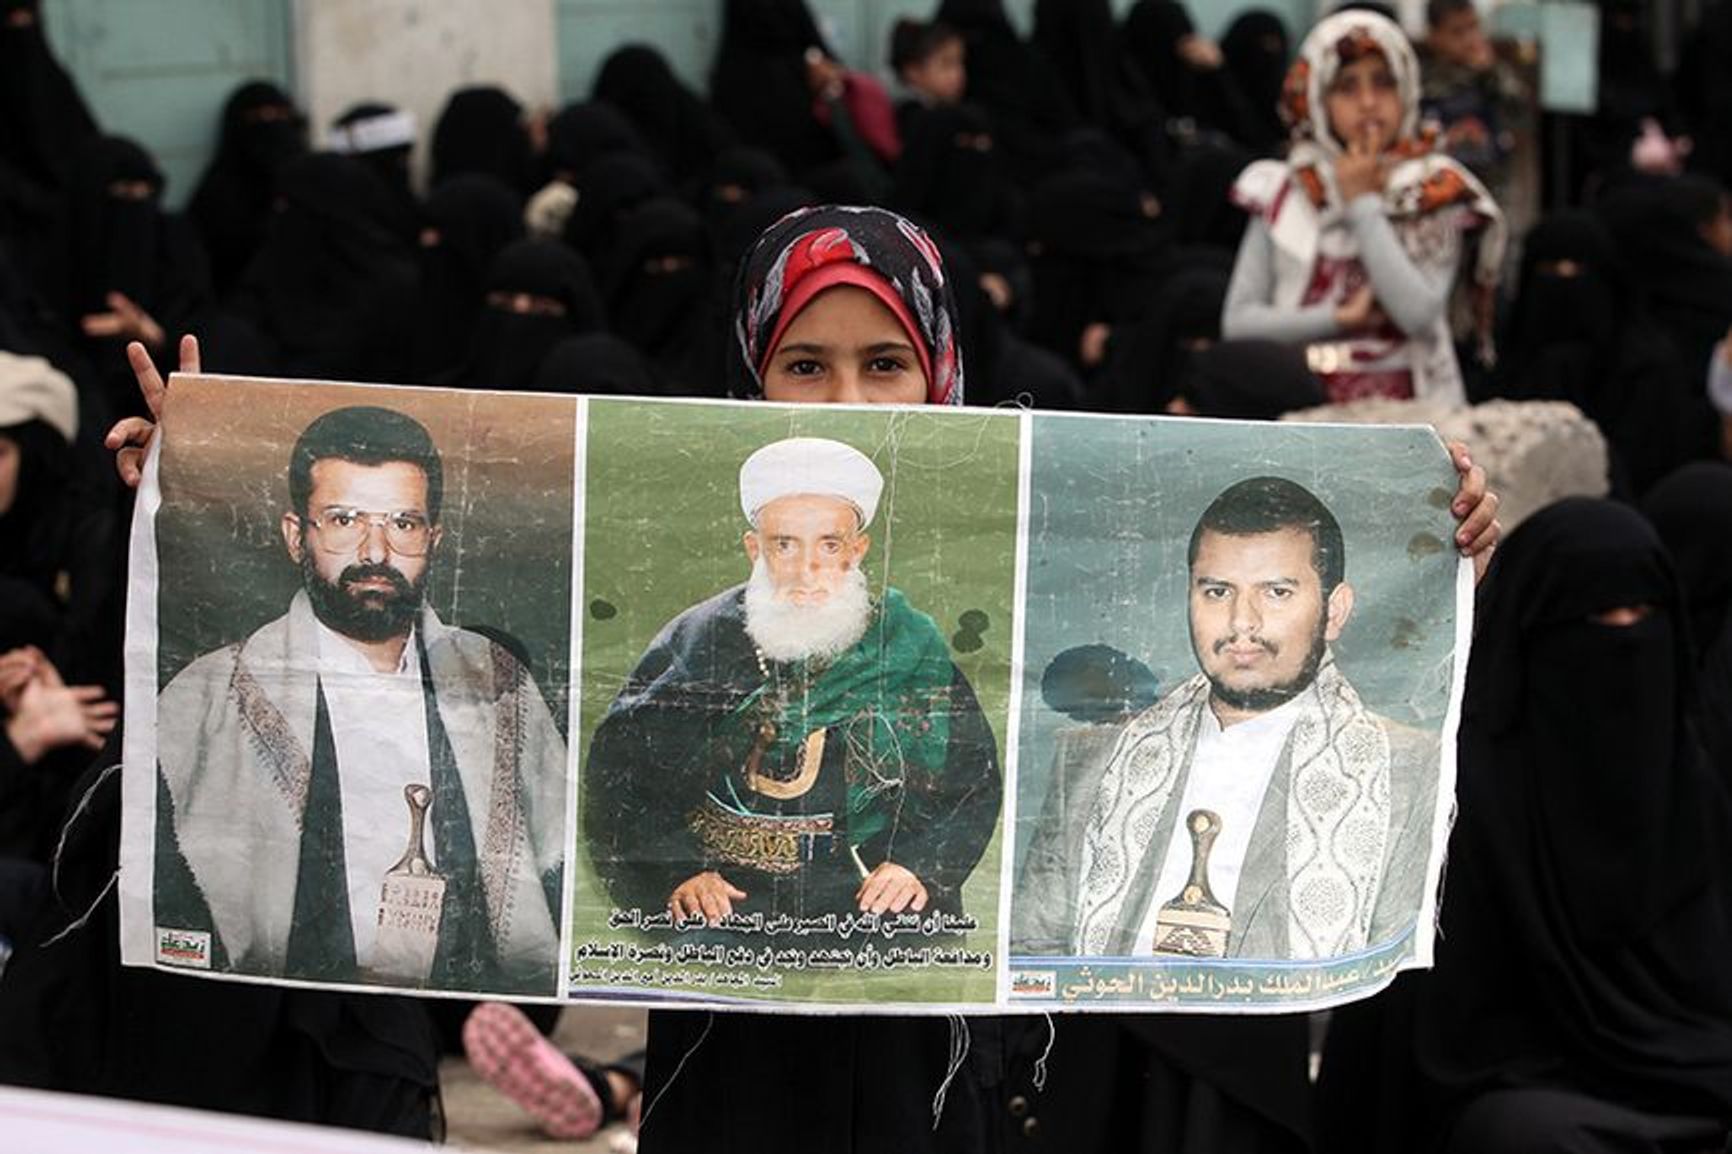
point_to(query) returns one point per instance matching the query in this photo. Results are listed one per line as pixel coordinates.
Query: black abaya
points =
(73, 1019)
(232, 206)
(1584, 924)
(582, 133)
(470, 218)
(659, 283)
(481, 132)
(758, 83)
(1579, 332)
(684, 134)
(1692, 511)
(331, 289)
(510, 344)
(1030, 109)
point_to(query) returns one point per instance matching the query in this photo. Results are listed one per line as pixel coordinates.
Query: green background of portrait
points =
(504, 562)
(663, 532)
(1112, 506)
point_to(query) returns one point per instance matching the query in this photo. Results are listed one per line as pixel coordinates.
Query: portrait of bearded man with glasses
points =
(358, 791)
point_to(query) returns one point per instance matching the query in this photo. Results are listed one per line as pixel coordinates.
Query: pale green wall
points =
(160, 71)
(686, 30)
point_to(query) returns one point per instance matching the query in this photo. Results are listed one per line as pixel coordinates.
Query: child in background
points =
(1475, 98)
(1355, 238)
(929, 58)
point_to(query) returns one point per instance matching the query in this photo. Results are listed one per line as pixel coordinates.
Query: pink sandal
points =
(509, 1052)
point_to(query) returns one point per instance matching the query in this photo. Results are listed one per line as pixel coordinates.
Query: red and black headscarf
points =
(815, 249)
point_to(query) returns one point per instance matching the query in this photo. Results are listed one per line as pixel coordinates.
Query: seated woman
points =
(1580, 999)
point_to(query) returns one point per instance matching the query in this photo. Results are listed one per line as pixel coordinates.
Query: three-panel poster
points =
(776, 707)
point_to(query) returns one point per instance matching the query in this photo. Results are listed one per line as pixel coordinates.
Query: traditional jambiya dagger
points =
(411, 904)
(1194, 924)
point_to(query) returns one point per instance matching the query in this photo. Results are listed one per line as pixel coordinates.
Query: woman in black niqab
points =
(481, 131)
(951, 174)
(659, 286)
(1191, 96)
(1579, 332)
(1095, 251)
(1256, 50)
(759, 86)
(684, 134)
(124, 242)
(739, 173)
(469, 219)
(1031, 109)
(332, 288)
(1692, 511)
(538, 293)
(1080, 40)
(582, 133)
(43, 118)
(1581, 949)
(610, 190)
(1661, 229)
(261, 131)
(121, 241)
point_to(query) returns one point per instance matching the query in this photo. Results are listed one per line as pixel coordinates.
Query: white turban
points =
(802, 466)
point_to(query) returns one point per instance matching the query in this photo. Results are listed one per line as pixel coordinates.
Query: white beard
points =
(784, 631)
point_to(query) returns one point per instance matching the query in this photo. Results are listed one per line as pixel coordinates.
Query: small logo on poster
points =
(190, 948)
(1033, 983)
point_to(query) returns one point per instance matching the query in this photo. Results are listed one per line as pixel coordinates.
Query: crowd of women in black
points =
(1078, 182)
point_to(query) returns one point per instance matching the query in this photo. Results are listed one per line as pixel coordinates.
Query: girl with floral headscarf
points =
(1355, 238)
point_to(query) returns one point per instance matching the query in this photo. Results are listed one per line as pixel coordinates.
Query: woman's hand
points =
(125, 318)
(130, 439)
(1359, 313)
(47, 714)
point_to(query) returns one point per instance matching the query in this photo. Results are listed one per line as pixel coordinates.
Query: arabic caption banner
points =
(791, 708)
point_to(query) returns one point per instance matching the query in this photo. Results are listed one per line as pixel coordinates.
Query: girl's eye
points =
(886, 365)
(805, 367)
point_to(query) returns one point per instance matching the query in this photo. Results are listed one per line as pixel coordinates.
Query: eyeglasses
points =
(340, 530)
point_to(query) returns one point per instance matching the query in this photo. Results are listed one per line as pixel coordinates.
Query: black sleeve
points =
(949, 821)
(637, 786)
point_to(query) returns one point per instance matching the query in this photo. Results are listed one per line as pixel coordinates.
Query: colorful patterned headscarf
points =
(815, 249)
(1414, 190)
(1336, 42)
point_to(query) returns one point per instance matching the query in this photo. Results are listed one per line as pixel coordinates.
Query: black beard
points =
(367, 616)
(1273, 696)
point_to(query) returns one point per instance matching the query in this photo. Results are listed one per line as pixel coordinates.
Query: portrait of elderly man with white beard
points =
(802, 743)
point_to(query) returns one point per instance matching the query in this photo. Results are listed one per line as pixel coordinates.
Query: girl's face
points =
(845, 347)
(1364, 103)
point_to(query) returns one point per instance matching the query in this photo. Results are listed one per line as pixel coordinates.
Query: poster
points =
(890, 709)
(1238, 713)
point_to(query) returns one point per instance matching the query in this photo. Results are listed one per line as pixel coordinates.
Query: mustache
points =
(355, 574)
(1269, 647)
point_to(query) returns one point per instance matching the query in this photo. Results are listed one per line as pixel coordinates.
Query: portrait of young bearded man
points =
(1259, 809)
